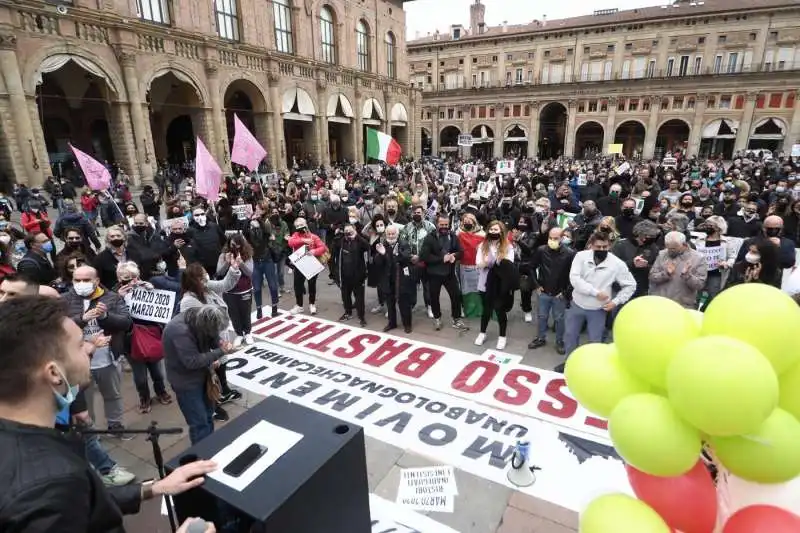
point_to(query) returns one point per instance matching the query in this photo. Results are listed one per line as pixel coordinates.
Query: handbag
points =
(324, 258)
(213, 386)
(146, 343)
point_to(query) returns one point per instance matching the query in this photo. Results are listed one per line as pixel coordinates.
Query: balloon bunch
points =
(677, 382)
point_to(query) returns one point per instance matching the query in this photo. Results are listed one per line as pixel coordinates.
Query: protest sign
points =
(505, 166)
(615, 149)
(433, 211)
(624, 167)
(451, 178)
(465, 140)
(669, 162)
(170, 223)
(308, 265)
(714, 255)
(231, 232)
(484, 189)
(427, 489)
(152, 305)
(501, 358)
(469, 171)
(581, 180)
(796, 150)
(563, 219)
(242, 211)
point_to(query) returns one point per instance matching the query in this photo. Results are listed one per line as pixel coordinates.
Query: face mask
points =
(302, 230)
(627, 212)
(391, 211)
(780, 189)
(140, 229)
(47, 247)
(201, 220)
(590, 212)
(673, 253)
(314, 197)
(380, 229)
(469, 227)
(392, 240)
(353, 220)
(161, 266)
(4, 224)
(63, 401)
(772, 232)
(117, 243)
(417, 218)
(493, 236)
(600, 256)
(84, 288)
(752, 258)
(5, 239)
(613, 194)
(368, 203)
(553, 244)
(444, 231)
(540, 210)
(566, 241)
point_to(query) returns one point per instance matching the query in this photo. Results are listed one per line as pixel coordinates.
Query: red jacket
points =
(36, 224)
(317, 247)
(89, 203)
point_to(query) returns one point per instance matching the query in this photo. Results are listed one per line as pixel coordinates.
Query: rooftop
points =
(679, 8)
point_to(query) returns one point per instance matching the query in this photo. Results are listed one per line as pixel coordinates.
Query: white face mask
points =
(353, 220)
(380, 229)
(84, 288)
(5, 239)
(161, 266)
(752, 258)
(201, 220)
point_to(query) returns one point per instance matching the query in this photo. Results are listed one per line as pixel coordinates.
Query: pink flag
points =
(98, 178)
(246, 149)
(208, 175)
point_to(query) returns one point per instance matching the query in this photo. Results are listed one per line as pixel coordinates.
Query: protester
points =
(678, 272)
(496, 283)
(302, 237)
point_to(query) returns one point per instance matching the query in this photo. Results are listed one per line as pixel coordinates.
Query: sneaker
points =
(345, 317)
(408, 329)
(331, 282)
(362, 323)
(312, 309)
(459, 324)
(145, 405)
(237, 342)
(559, 368)
(437, 324)
(501, 343)
(164, 399)
(297, 309)
(377, 309)
(480, 339)
(248, 339)
(232, 394)
(120, 436)
(117, 477)
(430, 312)
(560, 350)
(536, 343)
(221, 415)
(528, 317)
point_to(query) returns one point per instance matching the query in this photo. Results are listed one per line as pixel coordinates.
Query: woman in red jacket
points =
(35, 220)
(303, 237)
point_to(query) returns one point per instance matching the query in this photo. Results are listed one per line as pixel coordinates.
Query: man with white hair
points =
(679, 272)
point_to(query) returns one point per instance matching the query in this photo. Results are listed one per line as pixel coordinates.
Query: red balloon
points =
(762, 519)
(687, 503)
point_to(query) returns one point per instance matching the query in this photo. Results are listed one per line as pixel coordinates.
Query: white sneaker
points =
(312, 309)
(296, 309)
(501, 343)
(430, 312)
(528, 317)
(117, 477)
(248, 339)
(481, 339)
(377, 309)
(237, 342)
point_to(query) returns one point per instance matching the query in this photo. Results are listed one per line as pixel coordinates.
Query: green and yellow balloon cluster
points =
(674, 380)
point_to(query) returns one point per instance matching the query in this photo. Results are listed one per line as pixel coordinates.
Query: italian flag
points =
(382, 147)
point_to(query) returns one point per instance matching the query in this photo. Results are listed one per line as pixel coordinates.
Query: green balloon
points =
(598, 380)
(649, 435)
(648, 332)
(769, 455)
(722, 386)
(620, 513)
(761, 316)
(790, 391)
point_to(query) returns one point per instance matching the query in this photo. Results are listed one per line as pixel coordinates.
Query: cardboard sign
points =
(469, 171)
(581, 180)
(669, 162)
(432, 211)
(151, 305)
(242, 211)
(563, 219)
(615, 149)
(484, 189)
(796, 150)
(451, 178)
(624, 167)
(184, 221)
(465, 140)
(308, 265)
(505, 166)
(714, 256)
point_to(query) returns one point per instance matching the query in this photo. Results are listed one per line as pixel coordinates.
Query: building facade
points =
(136, 81)
(706, 77)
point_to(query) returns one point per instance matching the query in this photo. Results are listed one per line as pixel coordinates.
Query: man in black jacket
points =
(35, 264)
(439, 252)
(352, 263)
(639, 253)
(207, 239)
(48, 484)
(627, 218)
(146, 245)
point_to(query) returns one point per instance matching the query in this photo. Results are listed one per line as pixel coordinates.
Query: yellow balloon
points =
(769, 455)
(722, 386)
(649, 435)
(790, 391)
(598, 380)
(760, 315)
(620, 513)
(648, 332)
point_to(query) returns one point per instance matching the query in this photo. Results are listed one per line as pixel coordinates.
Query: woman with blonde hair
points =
(495, 262)
(609, 227)
(470, 235)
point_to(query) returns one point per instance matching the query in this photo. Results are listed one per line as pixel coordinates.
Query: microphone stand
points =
(153, 433)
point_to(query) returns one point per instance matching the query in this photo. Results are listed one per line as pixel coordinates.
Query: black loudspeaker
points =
(318, 486)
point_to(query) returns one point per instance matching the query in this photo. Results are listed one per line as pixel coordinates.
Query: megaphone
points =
(520, 471)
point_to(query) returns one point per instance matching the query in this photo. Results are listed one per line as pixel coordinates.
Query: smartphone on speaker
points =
(245, 460)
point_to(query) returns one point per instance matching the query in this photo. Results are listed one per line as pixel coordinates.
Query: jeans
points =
(108, 381)
(576, 317)
(557, 306)
(95, 453)
(265, 269)
(140, 370)
(280, 266)
(198, 411)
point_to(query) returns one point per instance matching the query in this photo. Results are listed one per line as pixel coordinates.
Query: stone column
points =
(435, 131)
(697, 126)
(652, 128)
(323, 143)
(572, 115)
(533, 135)
(39, 150)
(743, 135)
(794, 127)
(143, 163)
(263, 134)
(218, 144)
(279, 148)
(499, 135)
(358, 134)
(611, 124)
(122, 139)
(26, 164)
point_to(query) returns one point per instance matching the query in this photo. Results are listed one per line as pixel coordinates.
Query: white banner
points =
(505, 166)
(796, 150)
(451, 178)
(669, 162)
(152, 305)
(465, 140)
(242, 211)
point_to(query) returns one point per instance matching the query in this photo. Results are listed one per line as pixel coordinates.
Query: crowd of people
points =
(577, 239)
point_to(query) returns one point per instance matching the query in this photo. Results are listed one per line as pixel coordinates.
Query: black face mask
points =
(469, 227)
(140, 229)
(444, 231)
(600, 256)
(176, 236)
(772, 232)
(275, 219)
(73, 244)
(627, 212)
(391, 211)
(116, 243)
(493, 236)
(686, 206)
(417, 218)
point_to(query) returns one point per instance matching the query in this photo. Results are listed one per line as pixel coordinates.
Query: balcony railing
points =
(648, 74)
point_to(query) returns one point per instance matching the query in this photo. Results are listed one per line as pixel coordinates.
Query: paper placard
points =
(505, 166)
(796, 150)
(484, 189)
(639, 206)
(624, 167)
(278, 441)
(231, 232)
(427, 481)
(268, 180)
(242, 211)
(152, 305)
(451, 178)
(669, 162)
(170, 221)
(581, 180)
(563, 219)
(501, 358)
(615, 149)
(432, 211)
(465, 140)
(714, 256)
(469, 171)
(308, 265)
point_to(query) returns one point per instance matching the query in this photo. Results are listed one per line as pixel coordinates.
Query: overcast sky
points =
(425, 16)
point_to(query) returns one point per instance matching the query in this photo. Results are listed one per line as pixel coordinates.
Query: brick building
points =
(711, 76)
(135, 81)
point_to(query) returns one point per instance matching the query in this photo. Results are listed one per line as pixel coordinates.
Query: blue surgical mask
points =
(63, 401)
(47, 247)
